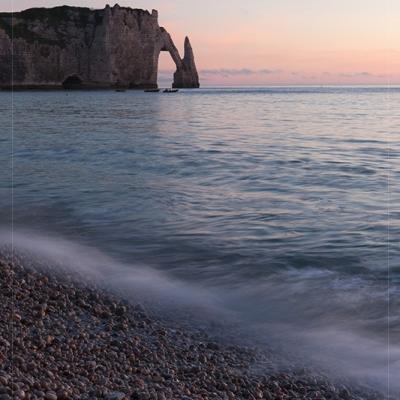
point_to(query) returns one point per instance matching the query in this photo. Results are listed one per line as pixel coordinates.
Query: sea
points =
(278, 206)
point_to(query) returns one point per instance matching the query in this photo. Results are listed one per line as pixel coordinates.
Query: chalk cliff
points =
(80, 47)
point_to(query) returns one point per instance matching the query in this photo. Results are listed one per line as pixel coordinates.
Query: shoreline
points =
(62, 338)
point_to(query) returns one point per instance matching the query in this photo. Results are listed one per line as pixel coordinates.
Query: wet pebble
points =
(78, 341)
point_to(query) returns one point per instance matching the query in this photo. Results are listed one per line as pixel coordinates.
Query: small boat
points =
(152, 90)
(120, 90)
(170, 90)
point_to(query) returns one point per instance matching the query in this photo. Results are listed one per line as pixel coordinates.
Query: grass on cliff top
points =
(22, 31)
(41, 13)
(57, 14)
(52, 17)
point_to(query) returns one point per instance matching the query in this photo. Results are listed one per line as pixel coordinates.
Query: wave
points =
(313, 316)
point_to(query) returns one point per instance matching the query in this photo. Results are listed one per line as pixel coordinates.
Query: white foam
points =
(282, 309)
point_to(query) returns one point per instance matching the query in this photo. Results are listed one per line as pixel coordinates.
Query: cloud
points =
(362, 74)
(228, 72)
(240, 75)
(207, 74)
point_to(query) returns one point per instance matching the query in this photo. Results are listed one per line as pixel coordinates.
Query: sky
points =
(273, 42)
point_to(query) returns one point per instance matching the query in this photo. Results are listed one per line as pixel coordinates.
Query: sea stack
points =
(75, 47)
(186, 74)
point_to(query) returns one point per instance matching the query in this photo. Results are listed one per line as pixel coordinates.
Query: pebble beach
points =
(63, 339)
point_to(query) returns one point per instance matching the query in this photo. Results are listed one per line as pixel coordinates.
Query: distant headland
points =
(74, 47)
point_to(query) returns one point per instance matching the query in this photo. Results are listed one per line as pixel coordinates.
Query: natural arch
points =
(186, 75)
(166, 69)
(72, 82)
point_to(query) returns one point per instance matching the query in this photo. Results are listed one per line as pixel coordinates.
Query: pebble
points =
(50, 396)
(81, 342)
(115, 396)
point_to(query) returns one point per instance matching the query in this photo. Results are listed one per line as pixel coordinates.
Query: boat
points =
(152, 90)
(170, 90)
(120, 90)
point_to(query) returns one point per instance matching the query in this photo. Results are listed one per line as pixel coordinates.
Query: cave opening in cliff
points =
(72, 82)
(166, 69)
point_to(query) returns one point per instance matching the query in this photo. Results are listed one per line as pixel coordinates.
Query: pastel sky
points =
(276, 41)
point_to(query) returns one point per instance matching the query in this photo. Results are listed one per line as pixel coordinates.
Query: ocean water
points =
(280, 204)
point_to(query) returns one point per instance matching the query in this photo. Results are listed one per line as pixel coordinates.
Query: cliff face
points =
(80, 47)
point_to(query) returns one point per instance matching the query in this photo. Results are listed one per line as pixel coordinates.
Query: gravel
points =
(63, 339)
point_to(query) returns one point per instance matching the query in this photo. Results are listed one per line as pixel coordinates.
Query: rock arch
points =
(105, 48)
(186, 75)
